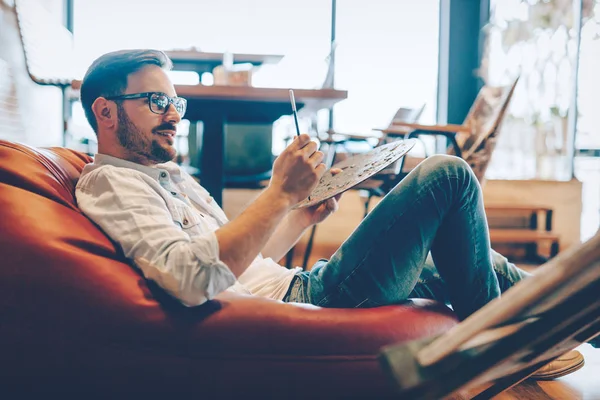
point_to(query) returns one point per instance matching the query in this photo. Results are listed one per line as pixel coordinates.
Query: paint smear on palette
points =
(355, 170)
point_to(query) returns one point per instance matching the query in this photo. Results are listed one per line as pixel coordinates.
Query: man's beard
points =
(136, 142)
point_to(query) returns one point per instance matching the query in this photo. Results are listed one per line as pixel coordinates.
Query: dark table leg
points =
(213, 156)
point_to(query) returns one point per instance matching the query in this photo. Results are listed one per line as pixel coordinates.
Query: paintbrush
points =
(293, 101)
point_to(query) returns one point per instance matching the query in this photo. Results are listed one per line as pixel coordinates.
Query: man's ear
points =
(105, 112)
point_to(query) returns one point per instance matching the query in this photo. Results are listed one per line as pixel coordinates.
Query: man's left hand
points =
(319, 212)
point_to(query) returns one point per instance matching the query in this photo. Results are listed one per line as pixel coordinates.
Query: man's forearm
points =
(286, 235)
(243, 238)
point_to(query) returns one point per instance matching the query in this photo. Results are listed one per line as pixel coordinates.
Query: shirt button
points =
(163, 174)
(185, 221)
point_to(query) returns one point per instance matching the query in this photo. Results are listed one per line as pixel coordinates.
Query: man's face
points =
(147, 137)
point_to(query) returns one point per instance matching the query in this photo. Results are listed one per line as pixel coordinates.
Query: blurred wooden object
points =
(507, 340)
(518, 225)
(314, 99)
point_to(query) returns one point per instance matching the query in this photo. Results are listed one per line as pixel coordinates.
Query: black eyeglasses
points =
(157, 102)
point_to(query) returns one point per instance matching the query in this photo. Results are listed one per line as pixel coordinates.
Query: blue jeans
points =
(427, 238)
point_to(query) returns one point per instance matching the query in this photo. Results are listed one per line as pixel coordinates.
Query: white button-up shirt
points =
(165, 223)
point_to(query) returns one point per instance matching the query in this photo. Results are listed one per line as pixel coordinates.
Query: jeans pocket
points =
(296, 292)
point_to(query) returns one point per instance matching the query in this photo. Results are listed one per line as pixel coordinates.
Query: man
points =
(170, 228)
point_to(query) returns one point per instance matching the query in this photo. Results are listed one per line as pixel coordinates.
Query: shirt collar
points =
(156, 171)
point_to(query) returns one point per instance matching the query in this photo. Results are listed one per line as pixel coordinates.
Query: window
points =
(300, 30)
(387, 58)
(538, 41)
(587, 139)
(588, 120)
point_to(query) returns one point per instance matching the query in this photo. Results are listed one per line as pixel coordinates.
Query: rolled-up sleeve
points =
(133, 214)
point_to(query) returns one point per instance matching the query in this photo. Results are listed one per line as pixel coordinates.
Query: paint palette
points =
(355, 170)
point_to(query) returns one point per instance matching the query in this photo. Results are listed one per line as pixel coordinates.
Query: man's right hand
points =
(297, 170)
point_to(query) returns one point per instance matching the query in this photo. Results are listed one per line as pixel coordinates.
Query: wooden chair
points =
(337, 140)
(48, 50)
(403, 115)
(475, 139)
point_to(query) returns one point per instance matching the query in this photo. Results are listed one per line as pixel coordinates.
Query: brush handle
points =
(295, 111)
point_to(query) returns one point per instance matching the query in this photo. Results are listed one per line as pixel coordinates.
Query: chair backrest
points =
(407, 115)
(47, 44)
(485, 116)
(484, 121)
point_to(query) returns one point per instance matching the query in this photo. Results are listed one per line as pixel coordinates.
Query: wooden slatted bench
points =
(524, 236)
(519, 225)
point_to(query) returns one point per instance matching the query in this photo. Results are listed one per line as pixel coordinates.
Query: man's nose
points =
(172, 115)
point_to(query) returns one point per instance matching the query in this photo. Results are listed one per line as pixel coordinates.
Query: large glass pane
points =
(537, 40)
(387, 58)
(587, 139)
(588, 89)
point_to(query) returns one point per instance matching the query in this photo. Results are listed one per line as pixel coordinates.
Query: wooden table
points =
(200, 61)
(217, 105)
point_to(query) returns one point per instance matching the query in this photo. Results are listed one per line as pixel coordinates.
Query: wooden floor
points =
(580, 385)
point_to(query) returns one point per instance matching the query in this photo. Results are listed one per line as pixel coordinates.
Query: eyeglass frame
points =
(148, 95)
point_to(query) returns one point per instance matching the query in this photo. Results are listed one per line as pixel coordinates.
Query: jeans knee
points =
(508, 273)
(451, 164)
(446, 160)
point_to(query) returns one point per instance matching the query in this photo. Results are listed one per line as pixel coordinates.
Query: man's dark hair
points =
(107, 76)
